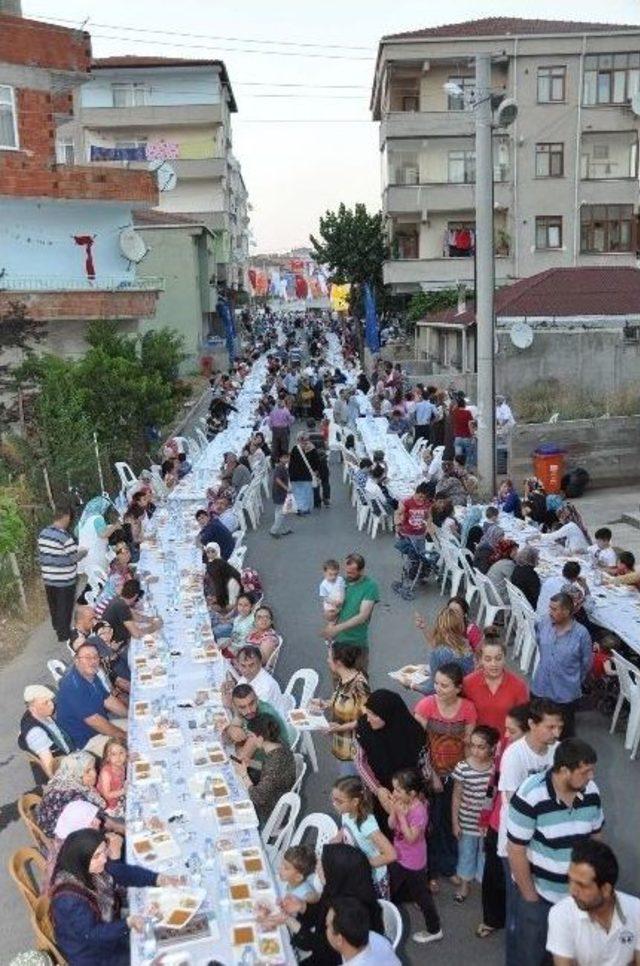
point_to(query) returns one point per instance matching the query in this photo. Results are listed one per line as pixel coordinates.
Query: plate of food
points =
(176, 907)
(306, 721)
(270, 948)
(142, 709)
(143, 772)
(413, 673)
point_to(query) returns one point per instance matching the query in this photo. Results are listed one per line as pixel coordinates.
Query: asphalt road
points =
(291, 570)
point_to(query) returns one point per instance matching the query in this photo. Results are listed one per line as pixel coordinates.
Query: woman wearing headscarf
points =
(491, 534)
(572, 530)
(93, 535)
(345, 872)
(222, 585)
(524, 575)
(75, 778)
(387, 741)
(502, 560)
(85, 904)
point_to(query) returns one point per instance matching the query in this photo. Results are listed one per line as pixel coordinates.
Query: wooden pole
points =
(15, 569)
(48, 486)
(100, 476)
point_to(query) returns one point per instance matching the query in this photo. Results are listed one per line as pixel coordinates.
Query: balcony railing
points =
(80, 283)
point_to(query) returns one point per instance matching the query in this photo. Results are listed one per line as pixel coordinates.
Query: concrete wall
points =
(600, 359)
(165, 87)
(174, 255)
(607, 448)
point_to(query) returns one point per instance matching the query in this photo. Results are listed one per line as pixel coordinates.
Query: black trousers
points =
(411, 885)
(322, 493)
(421, 432)
(61, 601)
(493, 884)
(279, 442)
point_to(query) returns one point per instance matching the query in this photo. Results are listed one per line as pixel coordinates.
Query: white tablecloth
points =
(405, 472)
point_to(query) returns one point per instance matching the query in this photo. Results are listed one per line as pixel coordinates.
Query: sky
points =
(303, 149)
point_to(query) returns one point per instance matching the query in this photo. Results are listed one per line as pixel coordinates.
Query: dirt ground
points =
(15, 628)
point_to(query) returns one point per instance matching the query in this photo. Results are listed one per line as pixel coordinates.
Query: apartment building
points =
(174, 115)
(61, 225)
(565, 173)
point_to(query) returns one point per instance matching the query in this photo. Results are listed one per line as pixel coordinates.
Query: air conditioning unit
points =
(410, 175)
(631, 333)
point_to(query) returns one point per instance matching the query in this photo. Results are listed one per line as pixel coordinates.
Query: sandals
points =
(434, 887)
(460, 897)
(482, 931)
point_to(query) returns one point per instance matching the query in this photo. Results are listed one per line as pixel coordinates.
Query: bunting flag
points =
(339, 297)
(371, 327)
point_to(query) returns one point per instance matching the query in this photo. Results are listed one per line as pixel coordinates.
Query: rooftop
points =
(505, 26)
(133, 62)
(152, 217)
(561, 293)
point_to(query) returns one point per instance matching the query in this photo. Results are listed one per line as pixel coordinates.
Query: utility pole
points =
(485, 279)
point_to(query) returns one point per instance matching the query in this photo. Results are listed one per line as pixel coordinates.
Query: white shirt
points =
(574, 539)
(267, 689)
(574, 935)
(504, 415)
(332, 590)
(518, 762)
(603, 556)
(377, 952)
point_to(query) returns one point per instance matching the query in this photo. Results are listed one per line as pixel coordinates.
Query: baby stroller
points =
(416, 565)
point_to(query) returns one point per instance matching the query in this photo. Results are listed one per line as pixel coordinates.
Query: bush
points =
(424, 302)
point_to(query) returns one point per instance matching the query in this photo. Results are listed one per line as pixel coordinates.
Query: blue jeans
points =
(413, 547)
(463, 446)
(303, 495)
(470, 857)
(510, 924)
(532, 920)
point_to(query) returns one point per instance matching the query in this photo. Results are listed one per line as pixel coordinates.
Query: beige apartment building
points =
(565, 173)
(141, 111)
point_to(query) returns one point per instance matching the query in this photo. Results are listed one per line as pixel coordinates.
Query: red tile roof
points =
(131, 62)
(504, 26)
(562, 293)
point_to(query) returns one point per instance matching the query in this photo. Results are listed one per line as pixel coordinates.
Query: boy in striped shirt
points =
(58, 556)
(549, 814)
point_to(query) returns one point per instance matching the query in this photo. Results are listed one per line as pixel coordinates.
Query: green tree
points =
(352, 245)
(424, 302)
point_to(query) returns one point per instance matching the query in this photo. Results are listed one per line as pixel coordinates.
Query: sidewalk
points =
(618, 509)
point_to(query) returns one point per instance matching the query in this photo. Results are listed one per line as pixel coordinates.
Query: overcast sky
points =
(305, 153)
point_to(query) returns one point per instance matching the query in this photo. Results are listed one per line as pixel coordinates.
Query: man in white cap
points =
(39, 732)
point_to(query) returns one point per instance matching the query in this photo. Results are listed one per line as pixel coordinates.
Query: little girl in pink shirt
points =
(111, 781)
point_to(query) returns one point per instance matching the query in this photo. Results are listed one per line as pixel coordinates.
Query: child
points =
(352, 801)
(602, 665)
(111, 781)
(242, 625)
(296, 871)
(602, 552)
(471, 780)
(408, 817)
(331, 590)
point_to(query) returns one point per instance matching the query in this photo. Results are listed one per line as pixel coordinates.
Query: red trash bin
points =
(549, 467)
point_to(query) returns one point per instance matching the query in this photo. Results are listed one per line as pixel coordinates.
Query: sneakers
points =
(427, 937)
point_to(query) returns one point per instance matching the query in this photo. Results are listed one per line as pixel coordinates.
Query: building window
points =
(461, 167)
(548, 232)
(549, 160)
(610, 78)
(65, 153)
(8, 118)
(130, 95)
(461, 102)
(606, 228)
(552, 83)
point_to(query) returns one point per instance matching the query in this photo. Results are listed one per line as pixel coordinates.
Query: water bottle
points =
(148, 943)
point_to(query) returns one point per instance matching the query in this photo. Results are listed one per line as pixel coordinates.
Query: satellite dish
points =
(521, 335)
(507, 112)
(167, 177)
(132, 245)
(635, 103)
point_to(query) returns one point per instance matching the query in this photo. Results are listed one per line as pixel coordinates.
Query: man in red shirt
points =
(493, 689)
(411, 520)
(462, 435)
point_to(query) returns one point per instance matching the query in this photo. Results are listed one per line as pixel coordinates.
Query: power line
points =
(177, 33)
(233, 50)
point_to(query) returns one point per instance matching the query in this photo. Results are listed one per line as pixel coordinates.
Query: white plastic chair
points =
(392, 922)
(278, 829)
(301, 771)
(57, 669)
(273, 660)
(379, 517)
(201, 437)
(309, 678)
(629, 680)
(125, 474)
(418, 446)
(237, 557)
(324, 827)
(491, 603)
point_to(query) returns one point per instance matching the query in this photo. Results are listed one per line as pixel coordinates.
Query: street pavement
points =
(292, 569)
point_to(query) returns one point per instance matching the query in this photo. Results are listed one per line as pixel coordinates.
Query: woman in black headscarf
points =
(345, 872)
(387, 741)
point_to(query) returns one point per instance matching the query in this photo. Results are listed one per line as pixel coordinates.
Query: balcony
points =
(415, 274)
(448, 196)
(140, 117)
(199, 169)
(58, 298)
(407, 124)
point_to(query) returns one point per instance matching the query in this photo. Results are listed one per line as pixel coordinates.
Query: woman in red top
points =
(493, 689)
(448, 720)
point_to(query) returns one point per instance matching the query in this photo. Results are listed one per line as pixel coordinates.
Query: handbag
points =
(289, 505)
(315, 482)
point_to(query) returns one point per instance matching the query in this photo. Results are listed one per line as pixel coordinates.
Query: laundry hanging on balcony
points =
(459, 242)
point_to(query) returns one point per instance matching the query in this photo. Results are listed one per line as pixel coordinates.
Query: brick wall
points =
(84, 305)
(37, 44)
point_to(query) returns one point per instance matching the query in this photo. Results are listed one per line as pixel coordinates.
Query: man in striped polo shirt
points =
(549, 814)
(58, 556)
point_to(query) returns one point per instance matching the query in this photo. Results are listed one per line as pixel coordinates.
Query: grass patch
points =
(538, 402)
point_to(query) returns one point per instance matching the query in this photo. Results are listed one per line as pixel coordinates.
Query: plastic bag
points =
(289, 505)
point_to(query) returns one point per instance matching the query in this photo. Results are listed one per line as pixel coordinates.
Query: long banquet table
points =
(188, 813)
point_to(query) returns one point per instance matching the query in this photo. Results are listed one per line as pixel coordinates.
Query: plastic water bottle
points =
(148, 943)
